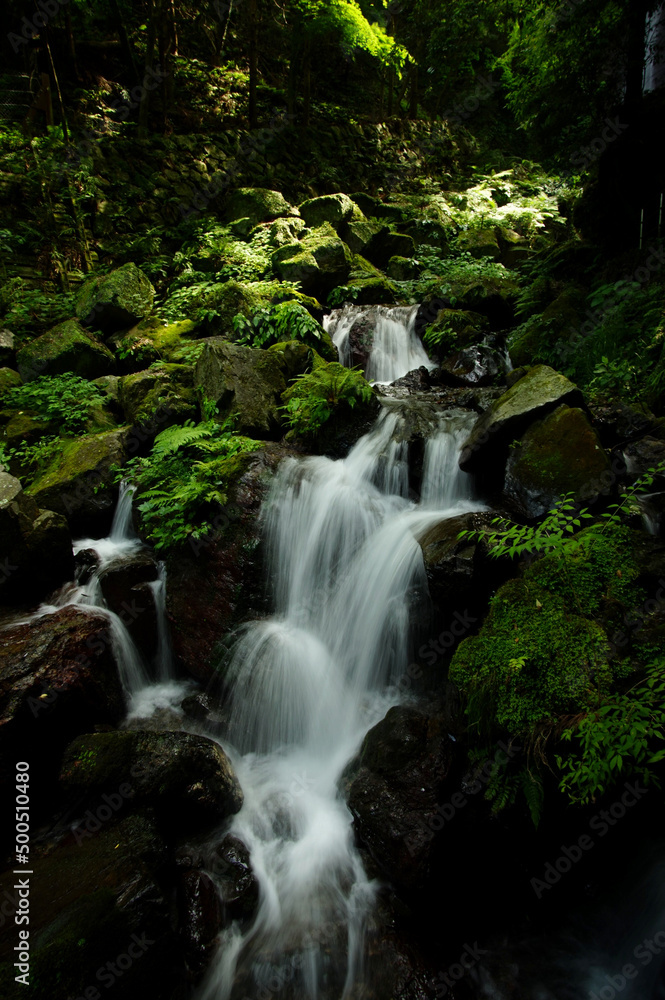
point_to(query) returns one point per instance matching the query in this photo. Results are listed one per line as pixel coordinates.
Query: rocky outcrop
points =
(535, 395)
(243, 381)
(80, 481)
(156, 398)
(36, 546)
(333, 208)
(65, 348)
(188, 780)
(319, 261)
(558, 455)
(257, 205)
(115, 301)
(478, 365)
(125, 585)
(394, 787)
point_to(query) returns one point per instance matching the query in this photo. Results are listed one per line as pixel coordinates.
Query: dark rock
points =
(86, 562)
(200, 917)
(187, 779)
(458, 570)
(385, 245)
(65, 348)
(7, 349)
(115, 301)
(619, 422)
(558, 455)
(644, 454)
(235, 878)
(125, 572)
(36, 546)
(394, 786)
(244, 381)
(58, 678)
(474, 366)
(534, 396)
(157, 398)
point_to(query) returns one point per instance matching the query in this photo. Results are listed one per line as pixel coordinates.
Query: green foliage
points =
(215, 249)
(183, 483)
(313, 398)
(342, 294)
(26, 308)
(64, 399)
(622, 737)
(451, 276)
(284, 321)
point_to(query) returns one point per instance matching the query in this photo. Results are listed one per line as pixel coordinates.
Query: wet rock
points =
(158, 398)
(643, 455)
(58, 677)
(244, 381)
(235, 878)
(619, 422)
(80, 482)
(534, 396)
(36, 546)
(458, 569)
(86, 562)
(103, 905)
(200, 918)
(480, 366)
(558, 455)
(393, 788)
(188, 780)
(65, 348)
(115, 301)
(125, 586)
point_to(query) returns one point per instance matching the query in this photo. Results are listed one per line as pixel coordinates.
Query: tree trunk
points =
(144, 107)
(223, 10)
(413, 102)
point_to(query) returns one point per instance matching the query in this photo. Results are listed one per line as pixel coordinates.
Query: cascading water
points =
(306, 686)
(395, 347)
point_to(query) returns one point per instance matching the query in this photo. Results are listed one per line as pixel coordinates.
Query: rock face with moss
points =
(257, 205)
(320, 261)
(533, 396)
(159, 397)
(560, 454)
(65, 348)
(80, 483)
(36, 545)
(9, 379)
(188, 779)
(333, 208)
(116, 300)
(243, 381)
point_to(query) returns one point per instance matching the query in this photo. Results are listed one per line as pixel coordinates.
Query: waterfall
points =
(306, 685)
(395, 347)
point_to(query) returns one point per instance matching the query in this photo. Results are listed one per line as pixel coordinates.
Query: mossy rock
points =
(531, 398)
(188, 779)
(244, 382)
(65, 348)
(296, 356)
(558, 326)
(374, 208)
(9, 379)
(333, 208)
(358, 232)
(403, 269)
(105, 904)
(385, 245)
(117, 300)
(79, 482)
(159, 397)
(320, 261)
(257, 205)
(26, 428)
(368, 286)
(454, 329)
(285, 231)
(533, 660)
(481, 242)
(558, 455)
(152, 340)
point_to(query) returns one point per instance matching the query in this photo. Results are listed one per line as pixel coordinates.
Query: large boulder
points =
(368, 286)
(125, 583)
(101, 917)
(476, 365)
(394, 787)
(458, 569)
(319, 261)
(385, 245)
(558, 455)
(159, 397)
(115, 301)
(540, 391)
(9, 379)
(244, 381)
(7, 348)
(36, 546)
(188, 780)
(58, 678)
(65, 348)
(257, 205)
(80, 482)
(332, 208)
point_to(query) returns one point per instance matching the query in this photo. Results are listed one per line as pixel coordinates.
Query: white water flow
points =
(306, 686)
(395, 347)
(138, 677)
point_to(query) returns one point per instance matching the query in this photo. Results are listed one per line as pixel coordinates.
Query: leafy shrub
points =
(65, 399)
(26, 308)
(315, 397)
(284, 321)
(182, 484)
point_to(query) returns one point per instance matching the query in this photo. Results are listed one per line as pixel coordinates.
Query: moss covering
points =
(116, 300)
(9, 379)
(65, 348)
(333, 208)
(257, 205)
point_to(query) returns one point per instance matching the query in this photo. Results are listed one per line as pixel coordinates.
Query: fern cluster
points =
(284, 321)
(313, 398)
(183, 483)
(64, 399)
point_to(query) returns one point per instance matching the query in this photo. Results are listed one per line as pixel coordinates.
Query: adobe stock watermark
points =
(585, 155)
(601, 824)
(469, 958)
(109, 973)
(46, 11)
(644, 952)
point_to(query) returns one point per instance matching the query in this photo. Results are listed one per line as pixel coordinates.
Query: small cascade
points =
(306, 685)
(389, 340)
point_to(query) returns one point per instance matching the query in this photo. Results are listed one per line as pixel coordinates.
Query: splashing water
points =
(395, 349)
(306, 686)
